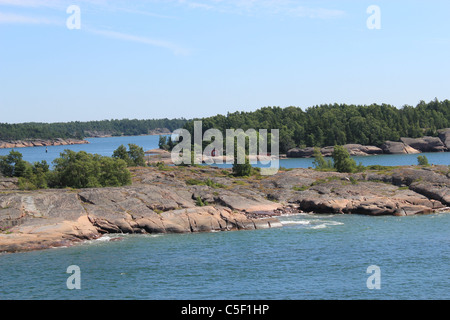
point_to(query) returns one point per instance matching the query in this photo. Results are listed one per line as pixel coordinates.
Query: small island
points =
(13, 144)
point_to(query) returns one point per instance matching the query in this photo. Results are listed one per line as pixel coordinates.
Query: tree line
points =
(80, 130)
(338, 124)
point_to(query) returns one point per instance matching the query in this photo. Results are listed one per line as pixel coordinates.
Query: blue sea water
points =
(310, 257)
(106, 147)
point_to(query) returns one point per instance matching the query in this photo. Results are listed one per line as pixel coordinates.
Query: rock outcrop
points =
(444, 135)
(393, 147)
(158, 203)
(425, 144)
(161, 201)
(353, 149)
(404, 146)
(39, 143)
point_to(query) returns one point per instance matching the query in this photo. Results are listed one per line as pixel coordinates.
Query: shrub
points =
(84, 170)
(134, 157)
(423, 161)
(342, 160)
(319, 161)
(200, 203)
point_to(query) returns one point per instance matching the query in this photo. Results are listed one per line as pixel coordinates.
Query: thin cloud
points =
(31, 3)
(266, 7)
(11, 18)
(140, 39)
(314, 13)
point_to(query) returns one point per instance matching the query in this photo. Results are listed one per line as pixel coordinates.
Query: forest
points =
(80, 130)
(317, 126)
(338, 124)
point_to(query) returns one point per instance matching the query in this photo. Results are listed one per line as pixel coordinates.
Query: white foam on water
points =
(333, 223)
(326, 224)
(301, 222)
(319, 226)
(104, 238)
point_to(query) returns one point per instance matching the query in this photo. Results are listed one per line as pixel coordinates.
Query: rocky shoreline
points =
(170, 199)
(404, 146)
(12, 144)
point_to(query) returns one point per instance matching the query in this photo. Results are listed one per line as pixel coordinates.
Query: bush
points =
(12, 165)
(342, 160)
(134, 157)
(423, 161)
(242, 169)
(319, 161)
(84, 170)
(72, 169)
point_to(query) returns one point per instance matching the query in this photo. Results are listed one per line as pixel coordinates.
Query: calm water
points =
(106, 147)
(310, 257)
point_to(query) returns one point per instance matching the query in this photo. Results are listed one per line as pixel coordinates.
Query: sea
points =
(311, 257)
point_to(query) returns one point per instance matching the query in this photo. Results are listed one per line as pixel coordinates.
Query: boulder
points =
(240, 203)
(444, 135)
(425, 144)
(391, 147)
(300, 153)
(361, 150)
(353, 149)
(327, 151)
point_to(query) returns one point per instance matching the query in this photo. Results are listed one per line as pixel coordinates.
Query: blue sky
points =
(181, 58)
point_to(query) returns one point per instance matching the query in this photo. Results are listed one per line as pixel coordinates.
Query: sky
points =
(149, 59)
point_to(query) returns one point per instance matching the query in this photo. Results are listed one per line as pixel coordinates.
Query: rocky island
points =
(11, 144)
(404, 146)
(168, 199)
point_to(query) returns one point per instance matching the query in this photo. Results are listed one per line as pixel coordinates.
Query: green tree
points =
(342, 160)
(134, 157)
(242, 169)
(121, 153)
(114, 172)
(319, 161)
(423, 161)
(162, 144)
(13, 165)
(84, 170)
(137, 155)
(77, 169)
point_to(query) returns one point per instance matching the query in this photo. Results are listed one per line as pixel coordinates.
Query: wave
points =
(326, 224)
(302, 222)
(312, 223)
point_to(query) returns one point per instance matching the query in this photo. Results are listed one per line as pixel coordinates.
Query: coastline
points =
(169, 199)
(404, 146)
(26, 143)
(12, 144)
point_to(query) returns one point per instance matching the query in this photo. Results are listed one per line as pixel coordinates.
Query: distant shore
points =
(12, 144)
(26, 143)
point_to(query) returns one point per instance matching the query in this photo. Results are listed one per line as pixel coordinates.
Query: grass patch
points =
(302, 188)
(208, 182)
(240, 183)
(200, 203)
